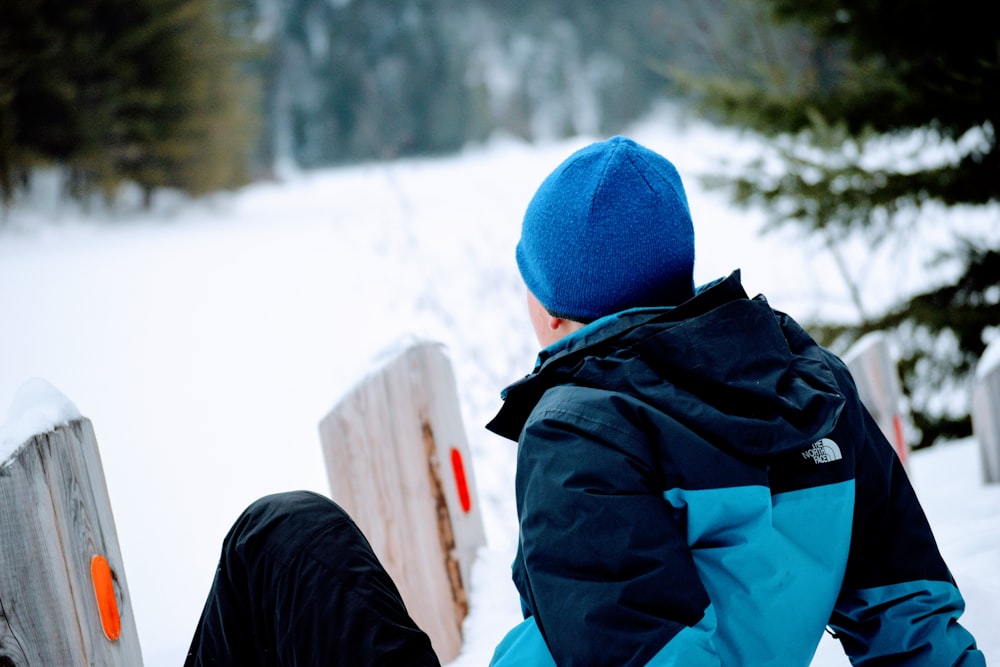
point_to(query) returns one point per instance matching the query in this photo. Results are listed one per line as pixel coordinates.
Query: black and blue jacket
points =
(700, 485)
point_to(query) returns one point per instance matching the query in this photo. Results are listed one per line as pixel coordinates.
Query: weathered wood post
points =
(986, 412)
(874, 371)
(398, 462)
(63, 596)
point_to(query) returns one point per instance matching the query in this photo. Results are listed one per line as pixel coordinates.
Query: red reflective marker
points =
(460, 482)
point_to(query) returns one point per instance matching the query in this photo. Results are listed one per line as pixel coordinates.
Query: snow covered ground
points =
(205, 340)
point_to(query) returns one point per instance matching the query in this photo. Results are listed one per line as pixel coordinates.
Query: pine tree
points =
(146, 91)
(37, 93)
(869, 72)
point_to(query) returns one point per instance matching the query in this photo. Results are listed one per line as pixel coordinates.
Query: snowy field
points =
(205, 340)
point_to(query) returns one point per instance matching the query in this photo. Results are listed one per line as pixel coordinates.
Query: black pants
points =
(298, 584)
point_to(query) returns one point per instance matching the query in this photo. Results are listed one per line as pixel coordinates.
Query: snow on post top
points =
(37, 407)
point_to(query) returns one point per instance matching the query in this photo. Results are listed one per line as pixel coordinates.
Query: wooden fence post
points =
(986, 413)
(63, 596)
(874, 372)
(398, 462)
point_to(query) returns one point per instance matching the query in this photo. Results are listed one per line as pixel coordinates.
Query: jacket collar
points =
(521, 396)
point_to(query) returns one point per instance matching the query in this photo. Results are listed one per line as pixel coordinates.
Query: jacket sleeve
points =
(603, 566)
(899, 604)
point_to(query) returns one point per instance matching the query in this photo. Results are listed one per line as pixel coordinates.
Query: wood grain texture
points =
(55, 516)
(387, 448)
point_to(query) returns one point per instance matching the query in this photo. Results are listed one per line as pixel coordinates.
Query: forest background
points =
(879, 113)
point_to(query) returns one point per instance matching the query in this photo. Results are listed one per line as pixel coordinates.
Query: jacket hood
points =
(729, 368)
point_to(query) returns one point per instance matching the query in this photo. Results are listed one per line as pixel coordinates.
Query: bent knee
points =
(281, 506)
(279, 524)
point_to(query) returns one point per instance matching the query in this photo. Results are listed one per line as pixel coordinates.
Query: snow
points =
(37, 407)
(206, 340)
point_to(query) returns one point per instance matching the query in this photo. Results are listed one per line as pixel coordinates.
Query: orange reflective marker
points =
(460, 482)
(104, 591)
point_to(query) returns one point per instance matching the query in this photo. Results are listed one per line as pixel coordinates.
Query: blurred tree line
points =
(887, 116)
(204, 94)
(353, 80)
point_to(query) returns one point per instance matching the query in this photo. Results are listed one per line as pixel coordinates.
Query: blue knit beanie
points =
(608, 230)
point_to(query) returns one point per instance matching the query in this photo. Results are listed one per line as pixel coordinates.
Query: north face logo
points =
(823, 451)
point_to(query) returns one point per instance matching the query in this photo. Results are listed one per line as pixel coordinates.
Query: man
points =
(697, 481)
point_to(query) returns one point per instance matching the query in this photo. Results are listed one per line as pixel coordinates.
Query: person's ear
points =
(561, 327)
